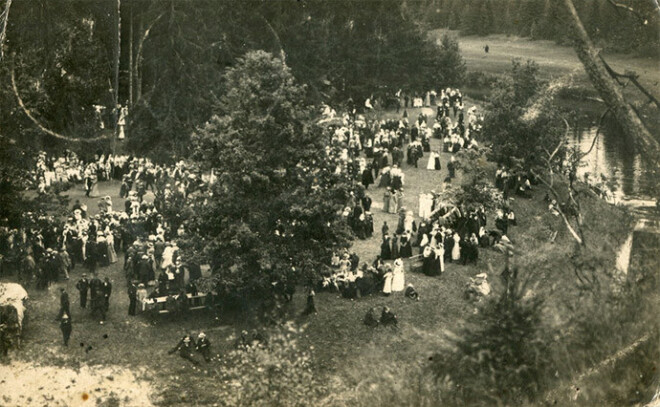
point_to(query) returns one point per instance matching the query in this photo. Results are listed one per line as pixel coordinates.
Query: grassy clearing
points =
(557, 61)
(554, 60)
(343, 349)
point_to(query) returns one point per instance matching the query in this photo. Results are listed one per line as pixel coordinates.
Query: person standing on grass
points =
(66, 328)
(311, 305)
(97, 297)
(83, 287)
(64, 263)
(64, 304)
(132, 298)
(107, 290)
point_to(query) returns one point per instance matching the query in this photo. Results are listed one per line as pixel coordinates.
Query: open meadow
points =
(343, 349)
(556, 61)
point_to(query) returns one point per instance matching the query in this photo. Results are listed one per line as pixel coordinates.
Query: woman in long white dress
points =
(456, 250)
(440, 256)
(430, 165)
(398, 276)
(110, 238)
(387, 286)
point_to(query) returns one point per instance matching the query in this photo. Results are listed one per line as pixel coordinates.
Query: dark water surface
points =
(615, 157)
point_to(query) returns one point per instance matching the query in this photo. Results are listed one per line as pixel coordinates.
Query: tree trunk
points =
(130, 59)
(117, 60)
(608, 89)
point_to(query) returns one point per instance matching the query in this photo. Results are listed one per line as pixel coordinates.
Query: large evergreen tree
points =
(273, 213)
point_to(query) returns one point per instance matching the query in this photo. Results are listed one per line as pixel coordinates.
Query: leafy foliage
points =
(476, 189)
(502, 356)
(514, 137)
(273, 213)
(277, 374)
(450, 63)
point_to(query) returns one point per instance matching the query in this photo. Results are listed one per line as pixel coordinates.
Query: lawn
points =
(342, 347)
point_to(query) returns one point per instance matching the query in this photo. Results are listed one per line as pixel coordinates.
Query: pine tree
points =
(272, 216)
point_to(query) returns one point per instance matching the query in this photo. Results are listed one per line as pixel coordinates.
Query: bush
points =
(277, 374)
(480, 79)
(502, 357)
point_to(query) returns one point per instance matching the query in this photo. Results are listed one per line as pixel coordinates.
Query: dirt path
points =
(26, 384)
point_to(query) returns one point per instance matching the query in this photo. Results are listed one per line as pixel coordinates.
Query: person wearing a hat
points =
(203, 346)
(83, 287)
(141, 296)
(66, 328)
(185, 348)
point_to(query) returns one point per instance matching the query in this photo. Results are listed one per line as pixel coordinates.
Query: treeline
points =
(173, 54)
(608, 26)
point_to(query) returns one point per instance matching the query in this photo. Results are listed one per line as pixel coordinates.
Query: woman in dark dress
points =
(385, 249)
(428, 261)
(395, 247)
(406, 246)
(367, 177)
(449, 246)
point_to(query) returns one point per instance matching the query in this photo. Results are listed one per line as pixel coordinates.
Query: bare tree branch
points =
(28, 113)
(618, 6)
(4, 17)
(277, 38)
(632, 77)
(593, 142)
(558, 208)
(138, 56)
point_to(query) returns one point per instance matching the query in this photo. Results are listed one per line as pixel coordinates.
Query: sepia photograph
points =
(329, 203)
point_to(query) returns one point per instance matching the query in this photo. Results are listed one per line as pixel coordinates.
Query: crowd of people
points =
(373, 152)
(46, 248)
(442, 232)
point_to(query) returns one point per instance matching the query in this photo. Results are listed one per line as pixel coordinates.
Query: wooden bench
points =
(158, 305)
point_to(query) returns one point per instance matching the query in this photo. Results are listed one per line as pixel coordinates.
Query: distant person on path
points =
(486, 48)
(65, 327)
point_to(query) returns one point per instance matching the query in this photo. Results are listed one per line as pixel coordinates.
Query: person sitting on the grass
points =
(203, 346)
(478, 287)
(185, 348)
(411, 293)
(387, 317)
(370, 318)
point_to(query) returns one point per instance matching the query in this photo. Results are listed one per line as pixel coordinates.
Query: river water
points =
(627, 173)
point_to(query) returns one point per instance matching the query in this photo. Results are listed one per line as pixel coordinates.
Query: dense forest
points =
(72, 63)
(611, 27)
(167, 58)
